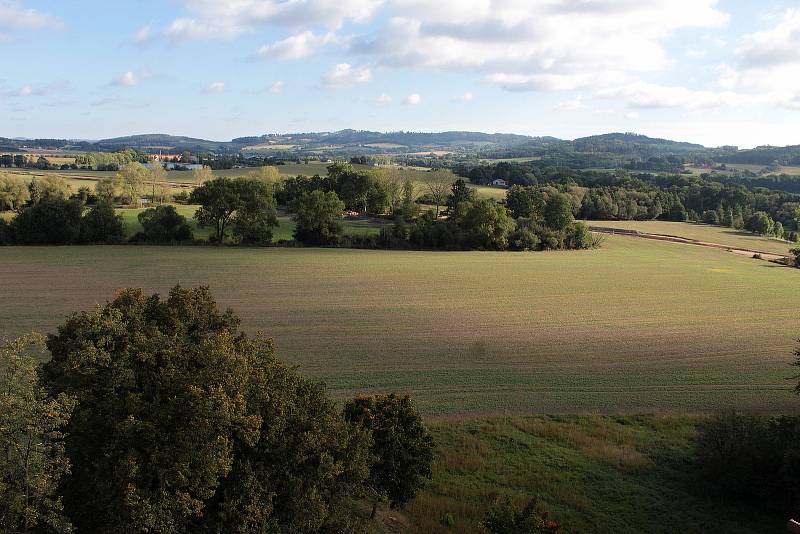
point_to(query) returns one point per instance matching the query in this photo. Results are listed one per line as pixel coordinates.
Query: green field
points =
(593, 474)
(634, 326)
(704, 232)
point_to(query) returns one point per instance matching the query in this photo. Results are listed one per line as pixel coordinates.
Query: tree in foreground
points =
(185, 424)
(402, 448)
(316, 217)
(32, 459)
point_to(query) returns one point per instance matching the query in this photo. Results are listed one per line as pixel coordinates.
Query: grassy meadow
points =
(634, 326)
(626, 474)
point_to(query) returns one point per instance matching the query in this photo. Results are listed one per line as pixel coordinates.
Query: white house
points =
(500, 183)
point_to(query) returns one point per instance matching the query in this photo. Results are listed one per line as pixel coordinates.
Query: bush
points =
(577, 236)
(505, 518)
(52, 220)
(743, 456)
(102, 225)
(317, 217)
(163, 224)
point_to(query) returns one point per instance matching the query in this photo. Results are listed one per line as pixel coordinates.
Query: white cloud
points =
(276, 88)
(632, 115)
(466, 97)
(227, 19)
(295, 47)
(412, 100)
(345, 75)
(216, 87)
(15, 16)
(574, 104)
(653, 96)
(769, 60)
(131, 78)
(383, 99)
(549, 45)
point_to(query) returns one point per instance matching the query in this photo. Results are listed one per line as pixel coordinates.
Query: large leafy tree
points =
(402, 448)
(102, 224)
(163, 224)
(257, 214)
(219, 199)
(486, 225)
(316, 216)
(32, 459)
(558, 212)
(247, 204)
(185, 424)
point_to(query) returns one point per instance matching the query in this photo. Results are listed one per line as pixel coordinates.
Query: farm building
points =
(499, 182)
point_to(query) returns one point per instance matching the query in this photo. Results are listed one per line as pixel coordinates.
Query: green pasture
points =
(592, 474)
(704, 232)
(634, 326)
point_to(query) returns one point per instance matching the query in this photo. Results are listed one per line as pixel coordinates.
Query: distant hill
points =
(628, 143)
(611, 150)
(765, 155)
(172, 143)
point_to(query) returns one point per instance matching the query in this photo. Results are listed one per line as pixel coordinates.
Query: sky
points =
(721, 72)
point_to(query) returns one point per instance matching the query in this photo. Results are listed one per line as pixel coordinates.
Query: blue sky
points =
(714, 72)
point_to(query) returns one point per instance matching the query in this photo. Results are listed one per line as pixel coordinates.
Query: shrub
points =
(51, 220)
(102, 225)
(743, 456)
(505, 518)
(163, 224)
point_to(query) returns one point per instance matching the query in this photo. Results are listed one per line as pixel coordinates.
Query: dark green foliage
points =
(503, 517)
(52, 220)
(163, 224)
(402, 448)
(485, 224)
(742, 456)
(577, 236)
(760, 223)
(525, 202)
(5, 233)
(184, 424)
(461, 194)
(316, 217)
(710, 217)
(293, 188)
(256, 216)
(525, 236)
(102, 224)
(32, 459)
(223, 201)
(558, 212)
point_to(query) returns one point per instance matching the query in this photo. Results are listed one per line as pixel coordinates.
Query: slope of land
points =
(593, 474)
(636, 325)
